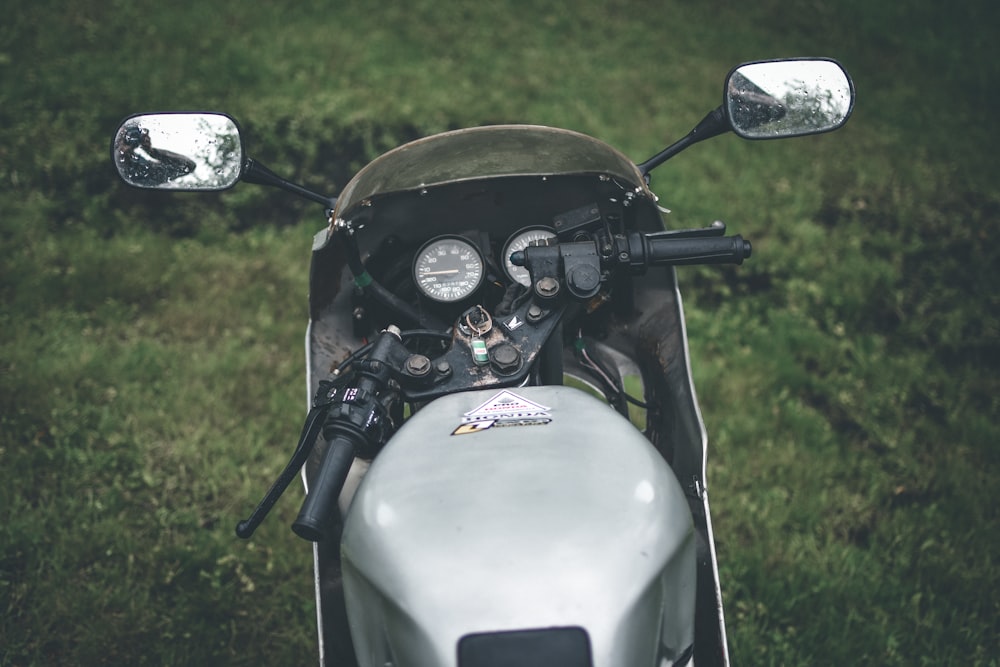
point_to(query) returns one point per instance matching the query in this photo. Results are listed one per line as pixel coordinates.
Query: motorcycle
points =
(504, 458)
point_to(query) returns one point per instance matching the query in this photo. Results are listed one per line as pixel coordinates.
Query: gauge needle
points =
(439, 273)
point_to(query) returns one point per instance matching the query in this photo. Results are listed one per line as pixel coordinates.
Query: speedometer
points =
(520, 241)
(448, 269)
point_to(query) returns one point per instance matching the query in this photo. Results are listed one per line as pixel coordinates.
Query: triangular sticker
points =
(506, 405)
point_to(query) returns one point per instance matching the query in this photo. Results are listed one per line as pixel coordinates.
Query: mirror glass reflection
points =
(179, 151)
(777, 99)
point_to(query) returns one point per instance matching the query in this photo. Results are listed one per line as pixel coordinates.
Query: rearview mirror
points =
(179, 151)
(787, 98)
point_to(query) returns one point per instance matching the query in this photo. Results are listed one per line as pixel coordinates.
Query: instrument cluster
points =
(450, 269)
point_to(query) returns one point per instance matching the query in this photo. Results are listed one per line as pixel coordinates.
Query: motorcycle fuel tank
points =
(528, 509)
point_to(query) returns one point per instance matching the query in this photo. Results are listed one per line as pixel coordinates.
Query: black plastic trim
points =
(543, 647)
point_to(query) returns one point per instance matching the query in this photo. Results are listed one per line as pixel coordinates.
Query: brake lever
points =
(717, 228)
(310, 432)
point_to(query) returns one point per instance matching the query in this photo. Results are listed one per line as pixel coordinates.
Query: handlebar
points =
(640, 251)
(349, 426)
(357, 424)
(354, 417)
(353, 411)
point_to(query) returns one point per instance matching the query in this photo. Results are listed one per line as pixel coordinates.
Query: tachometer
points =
(520, 241)
(448, 269)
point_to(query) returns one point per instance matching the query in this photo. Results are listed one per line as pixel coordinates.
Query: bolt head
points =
(547, 287)
(505, 358)
(418, 364)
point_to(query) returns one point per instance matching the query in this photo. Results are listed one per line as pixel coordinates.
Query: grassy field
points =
(151, 380)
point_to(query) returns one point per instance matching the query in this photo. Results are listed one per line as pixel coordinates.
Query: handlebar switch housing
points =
(582, 267)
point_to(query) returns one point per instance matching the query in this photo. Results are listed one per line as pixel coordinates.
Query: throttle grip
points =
(655, 251)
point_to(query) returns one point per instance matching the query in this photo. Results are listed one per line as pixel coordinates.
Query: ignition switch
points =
(476, 322)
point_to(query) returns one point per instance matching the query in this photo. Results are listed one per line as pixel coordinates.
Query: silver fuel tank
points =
(524, 509)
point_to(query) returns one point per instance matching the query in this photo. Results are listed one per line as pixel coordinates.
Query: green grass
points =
(151, 349)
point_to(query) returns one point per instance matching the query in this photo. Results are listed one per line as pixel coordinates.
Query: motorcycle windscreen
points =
(514, 510)
(484, 153)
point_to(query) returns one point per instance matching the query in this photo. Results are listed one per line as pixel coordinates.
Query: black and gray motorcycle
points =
(503, 455)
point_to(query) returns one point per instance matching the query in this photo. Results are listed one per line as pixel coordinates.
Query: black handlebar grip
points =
(708, 250)
(315, 519)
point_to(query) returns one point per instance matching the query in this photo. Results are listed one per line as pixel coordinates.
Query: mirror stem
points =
(712, 125)
(255, 172)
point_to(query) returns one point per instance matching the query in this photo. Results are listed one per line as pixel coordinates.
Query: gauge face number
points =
(520, 241)
(448, 269)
